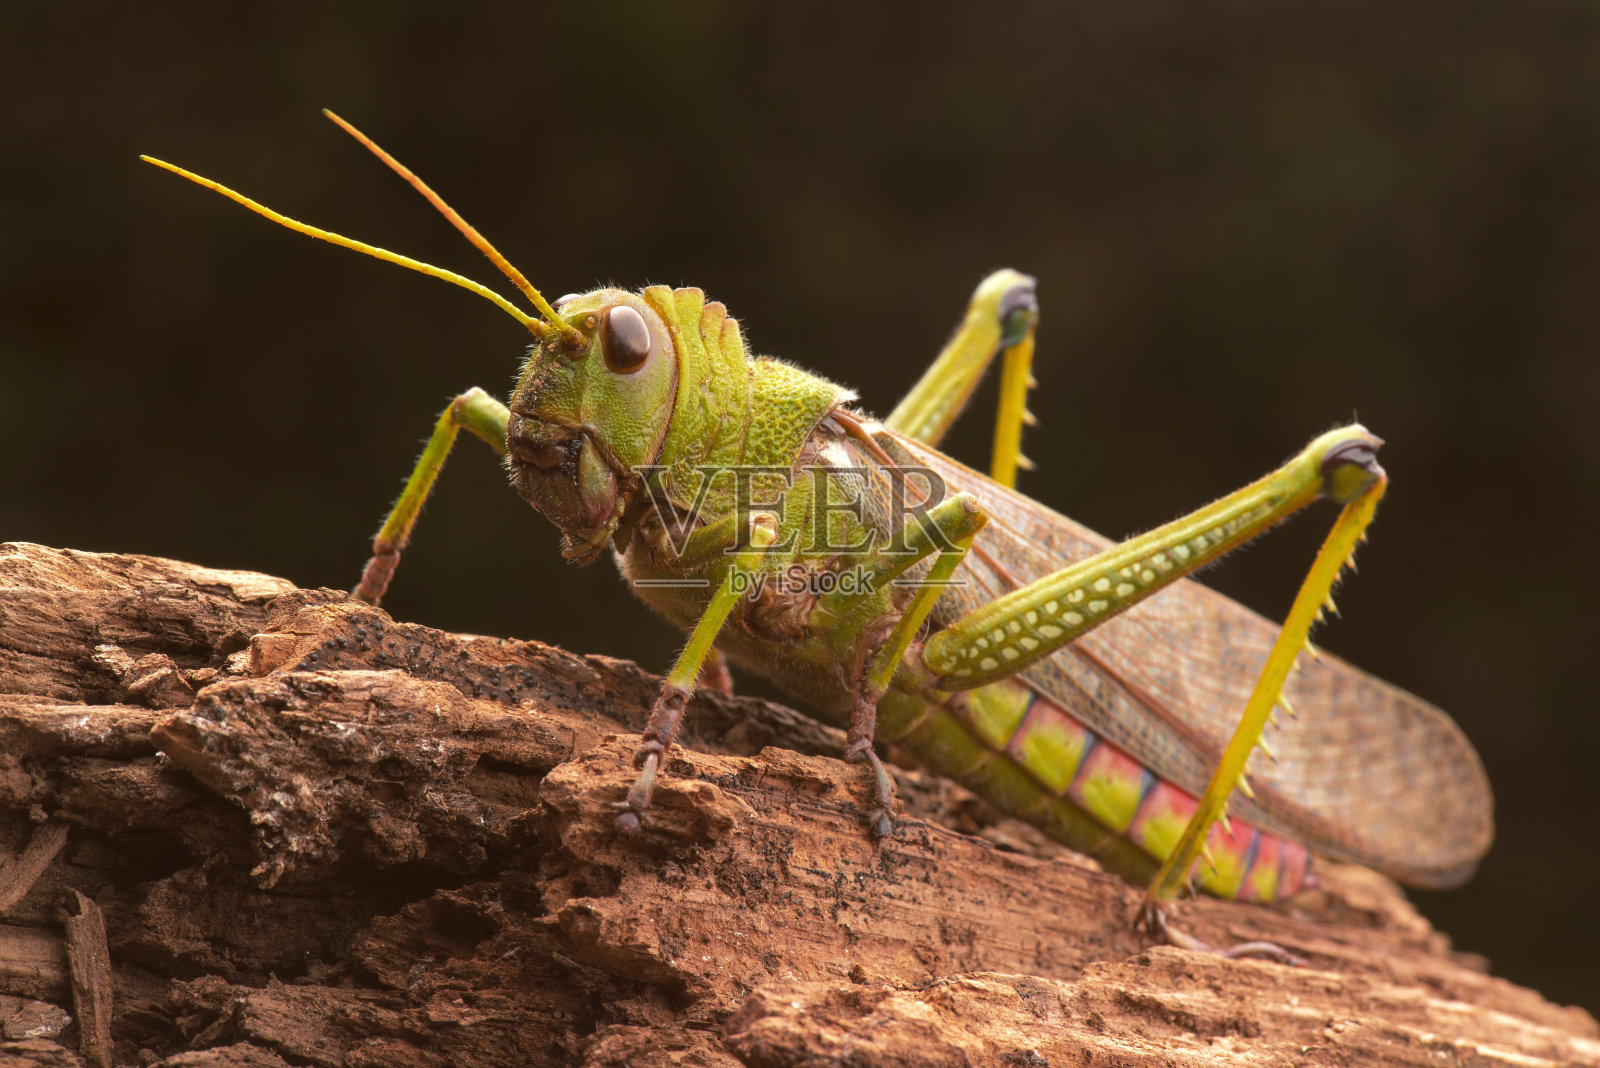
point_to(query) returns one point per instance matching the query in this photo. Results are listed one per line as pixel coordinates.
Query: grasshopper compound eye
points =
(624, 340)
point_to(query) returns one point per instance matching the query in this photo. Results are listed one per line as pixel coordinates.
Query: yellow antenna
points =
(534, 325)
(468, 231)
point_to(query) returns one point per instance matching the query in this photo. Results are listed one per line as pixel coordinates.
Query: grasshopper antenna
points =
(537, 328)
(468, 231)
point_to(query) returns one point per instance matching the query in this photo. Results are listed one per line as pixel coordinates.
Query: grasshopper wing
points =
(1365, 772)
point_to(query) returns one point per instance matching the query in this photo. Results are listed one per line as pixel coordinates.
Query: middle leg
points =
(944, 532)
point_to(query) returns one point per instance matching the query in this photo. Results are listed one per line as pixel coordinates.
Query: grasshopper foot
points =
(632, 818)
(858, 748)
(376, 575)
(1153, 920)
(880, 818)
(651, 755)
(881, 824)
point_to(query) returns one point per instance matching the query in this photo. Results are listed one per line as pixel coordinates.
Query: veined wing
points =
(1365, 772)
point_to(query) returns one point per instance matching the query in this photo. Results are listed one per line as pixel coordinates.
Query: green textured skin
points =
(581, 392)
(724, 408)
(728, 408)
(962, 736)
(1380, 777)
(712, 409)
(716, 405)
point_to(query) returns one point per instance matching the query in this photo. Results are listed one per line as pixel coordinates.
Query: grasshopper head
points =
(590, 407)
(595, 396)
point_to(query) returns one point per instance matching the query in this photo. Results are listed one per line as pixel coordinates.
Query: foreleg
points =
(676, 689)
(474, 411)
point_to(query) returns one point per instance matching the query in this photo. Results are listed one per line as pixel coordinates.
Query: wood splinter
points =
(20, 875)
(89, 961)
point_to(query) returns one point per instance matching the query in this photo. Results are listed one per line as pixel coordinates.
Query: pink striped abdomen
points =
(1030, 758)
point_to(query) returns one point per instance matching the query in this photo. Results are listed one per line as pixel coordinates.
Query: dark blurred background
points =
(1249, 223)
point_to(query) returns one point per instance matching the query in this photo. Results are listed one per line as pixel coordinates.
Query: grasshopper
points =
(1085, 686)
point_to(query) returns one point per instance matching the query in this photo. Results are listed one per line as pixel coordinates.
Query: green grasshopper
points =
(914, 601)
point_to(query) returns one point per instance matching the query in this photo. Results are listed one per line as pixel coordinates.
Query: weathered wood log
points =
(321, 837)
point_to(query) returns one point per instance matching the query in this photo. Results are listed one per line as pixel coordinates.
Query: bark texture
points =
(243, 824)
